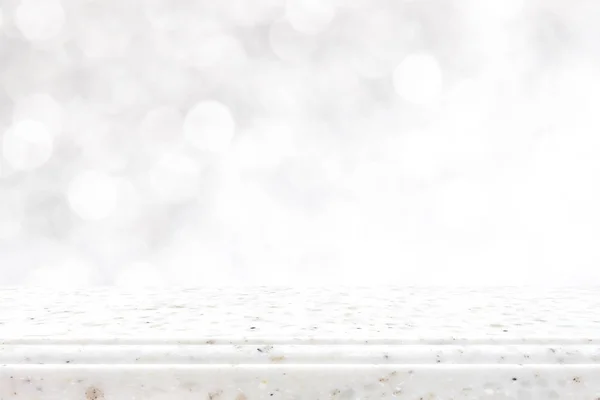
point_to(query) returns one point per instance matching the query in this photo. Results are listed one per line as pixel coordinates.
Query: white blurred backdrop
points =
(203, 142)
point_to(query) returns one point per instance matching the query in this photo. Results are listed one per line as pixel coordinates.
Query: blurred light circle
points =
(209, 51)
(209, 126)
(100, 35)
(502, 10)
(162, 123)
(39, 20)
(309, 16)
(245, 13)
(129, 205)
(40, 107)
(418, 79)
(265, 144)
(92, 195)
(214, 50)
(27, 145)
(174, 177)
(371, 65)
(289, 44)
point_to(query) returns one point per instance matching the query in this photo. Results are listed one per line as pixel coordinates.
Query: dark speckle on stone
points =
(93, 393)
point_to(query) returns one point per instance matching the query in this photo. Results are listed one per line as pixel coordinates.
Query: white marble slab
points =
(263, 343)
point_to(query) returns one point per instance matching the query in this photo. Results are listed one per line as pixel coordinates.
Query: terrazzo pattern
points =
(316, 382)
(311, 344)
(303, 314)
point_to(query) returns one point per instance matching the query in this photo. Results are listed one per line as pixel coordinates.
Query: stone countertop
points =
(290, 316)
(334, 343)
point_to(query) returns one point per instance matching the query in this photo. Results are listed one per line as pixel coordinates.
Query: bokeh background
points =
(321, 142)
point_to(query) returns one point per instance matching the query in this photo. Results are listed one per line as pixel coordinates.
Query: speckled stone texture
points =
(265, 343)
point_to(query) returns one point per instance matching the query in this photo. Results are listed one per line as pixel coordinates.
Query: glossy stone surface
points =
(260, 343)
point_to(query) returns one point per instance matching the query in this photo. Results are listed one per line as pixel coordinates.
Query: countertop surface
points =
(300, 344)
(316, 315)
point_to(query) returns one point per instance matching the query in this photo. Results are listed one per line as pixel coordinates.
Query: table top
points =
(302, 315)
(309, 343)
